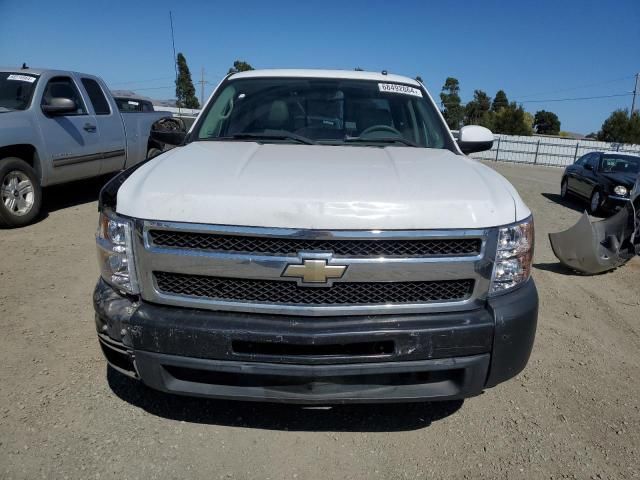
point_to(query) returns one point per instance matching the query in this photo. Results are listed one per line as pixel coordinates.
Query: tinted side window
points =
(583, 159)
(63, 87)
(594, 160)
(98, 100)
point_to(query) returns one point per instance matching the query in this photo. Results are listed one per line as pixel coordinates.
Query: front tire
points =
(595, 202)
(20, 193)
(153, 152)
(564, 188)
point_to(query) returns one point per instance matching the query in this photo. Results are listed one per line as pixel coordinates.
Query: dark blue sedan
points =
(604, 179)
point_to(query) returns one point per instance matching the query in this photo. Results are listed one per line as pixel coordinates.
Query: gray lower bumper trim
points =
(441, 379)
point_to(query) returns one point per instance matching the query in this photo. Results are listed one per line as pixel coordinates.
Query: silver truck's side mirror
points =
(59, 106)
(474, 138)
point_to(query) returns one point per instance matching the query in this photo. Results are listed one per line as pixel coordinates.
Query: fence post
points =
(535, 159)
(497, 149)
(575, 155)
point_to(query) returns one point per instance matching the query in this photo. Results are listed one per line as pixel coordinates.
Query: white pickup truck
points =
(60, 126)
(316, 237)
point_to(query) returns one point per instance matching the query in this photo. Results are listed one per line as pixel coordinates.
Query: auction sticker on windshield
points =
(22, 78)
(396, 88)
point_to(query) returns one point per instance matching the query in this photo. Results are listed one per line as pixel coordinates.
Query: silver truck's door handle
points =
(89, 128)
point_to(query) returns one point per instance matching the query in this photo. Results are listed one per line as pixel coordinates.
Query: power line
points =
(554, 99)
(575, 98)
(568, 89)
(141, 81)
(155, 88)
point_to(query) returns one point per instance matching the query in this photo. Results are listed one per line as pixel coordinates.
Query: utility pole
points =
(175, 61)
(202, 82)
(635, 91)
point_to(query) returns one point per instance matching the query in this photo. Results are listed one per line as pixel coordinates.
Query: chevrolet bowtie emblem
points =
(314, 271)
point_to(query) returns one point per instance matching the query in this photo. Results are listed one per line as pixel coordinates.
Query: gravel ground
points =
(573, 412)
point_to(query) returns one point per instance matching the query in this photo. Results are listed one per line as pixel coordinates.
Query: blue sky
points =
(539, 50)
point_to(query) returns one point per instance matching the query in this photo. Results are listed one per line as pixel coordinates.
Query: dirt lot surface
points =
(573, 413)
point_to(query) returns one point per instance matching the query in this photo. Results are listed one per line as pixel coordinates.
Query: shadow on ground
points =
(68, 195)
(270, 416)
(59, 197)
(571, 203)
(556, 267)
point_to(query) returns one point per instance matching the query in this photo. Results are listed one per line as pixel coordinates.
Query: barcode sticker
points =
(22, 78)
(397, 88)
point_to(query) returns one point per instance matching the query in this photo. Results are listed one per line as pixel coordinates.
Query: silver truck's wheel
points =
(153, 152)
(17, 193)
(20, 194)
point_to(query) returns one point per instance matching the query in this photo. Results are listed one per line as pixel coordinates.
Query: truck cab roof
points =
(317, 73)
(42, 71)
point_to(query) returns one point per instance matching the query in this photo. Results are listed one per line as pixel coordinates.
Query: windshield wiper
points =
(402, 140)
(267, 136)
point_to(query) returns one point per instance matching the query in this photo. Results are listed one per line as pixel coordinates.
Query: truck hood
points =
(319, 187)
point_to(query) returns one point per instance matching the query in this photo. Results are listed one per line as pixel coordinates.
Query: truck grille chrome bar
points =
(243, 269)
(289, 293)
(339, 248)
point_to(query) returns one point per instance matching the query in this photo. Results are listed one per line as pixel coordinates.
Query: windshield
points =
(16, 90)
(327, 111)
(620, 165)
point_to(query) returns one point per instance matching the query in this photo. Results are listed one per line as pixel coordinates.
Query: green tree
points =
(512, 120)
(475, 111)
(185, 91)
(240, 66)
(620, 127)
(546, 123)
(499, 101)
(358, 69)
(453, 111)
(528, 121)
(633, 134)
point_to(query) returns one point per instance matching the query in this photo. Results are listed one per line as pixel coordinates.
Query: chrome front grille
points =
(419, 247)
(242, 269)
(289, 293)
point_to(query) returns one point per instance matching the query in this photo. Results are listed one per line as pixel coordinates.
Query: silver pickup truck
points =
(57, 127)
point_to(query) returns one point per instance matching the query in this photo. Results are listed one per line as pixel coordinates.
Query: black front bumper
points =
(281, 358)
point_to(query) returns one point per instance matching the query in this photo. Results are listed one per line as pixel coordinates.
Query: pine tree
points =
(499, 101)
(185, 91)
(240, 66)
(453, 111)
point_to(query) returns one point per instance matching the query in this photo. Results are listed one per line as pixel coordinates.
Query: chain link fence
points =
(549, 151)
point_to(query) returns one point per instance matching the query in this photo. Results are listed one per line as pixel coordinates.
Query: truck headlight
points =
(513, 256)
(620, 190)
(115, 252)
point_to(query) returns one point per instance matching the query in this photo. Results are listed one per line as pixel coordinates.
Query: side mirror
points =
(59, 106)
(168, 131)
(474, 138)
(588, 166)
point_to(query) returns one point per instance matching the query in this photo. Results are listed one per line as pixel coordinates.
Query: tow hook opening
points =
(118, 357)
